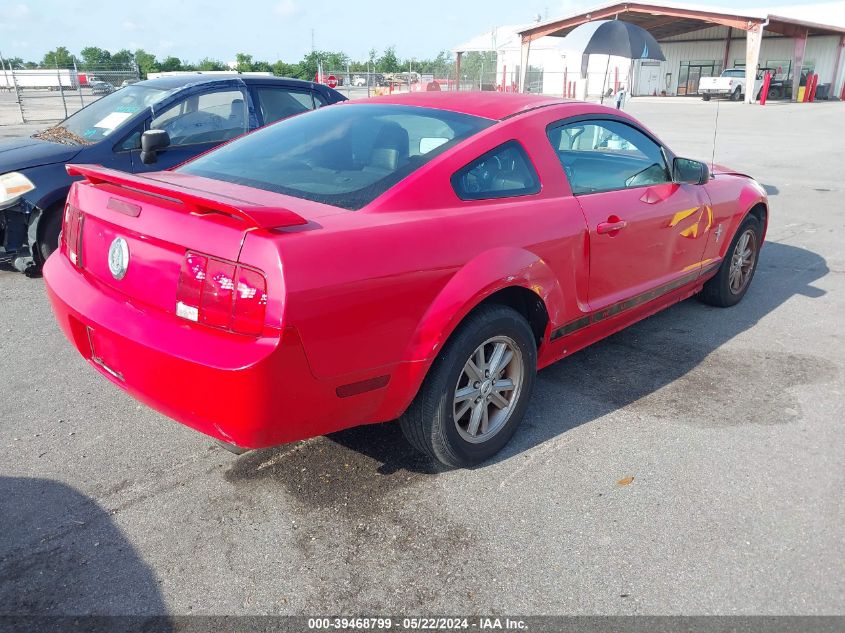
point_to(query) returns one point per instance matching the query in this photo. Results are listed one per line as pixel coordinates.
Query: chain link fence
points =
(49, 95)
(537, 81)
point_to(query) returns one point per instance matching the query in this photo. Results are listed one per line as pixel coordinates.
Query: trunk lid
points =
(162, 216)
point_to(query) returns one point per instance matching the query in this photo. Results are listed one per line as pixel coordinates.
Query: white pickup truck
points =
(731, 83)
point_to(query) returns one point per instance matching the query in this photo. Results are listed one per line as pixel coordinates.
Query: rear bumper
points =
(245, 391)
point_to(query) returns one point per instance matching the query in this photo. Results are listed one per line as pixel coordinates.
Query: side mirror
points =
(691, 172)
(153, 141)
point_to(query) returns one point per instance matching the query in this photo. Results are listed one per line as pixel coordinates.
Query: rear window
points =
(345, 155)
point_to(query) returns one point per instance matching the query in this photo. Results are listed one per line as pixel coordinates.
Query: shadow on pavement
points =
(61, 556)
(676, 352)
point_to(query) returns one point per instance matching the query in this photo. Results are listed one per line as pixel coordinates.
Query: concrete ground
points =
(729, 422)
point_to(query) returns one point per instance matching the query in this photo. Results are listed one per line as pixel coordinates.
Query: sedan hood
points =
(26, 152)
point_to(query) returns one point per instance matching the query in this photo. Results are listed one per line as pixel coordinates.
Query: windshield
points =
(343, 155)
(99, 119)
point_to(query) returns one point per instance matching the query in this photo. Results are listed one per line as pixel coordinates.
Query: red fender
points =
(491, 271)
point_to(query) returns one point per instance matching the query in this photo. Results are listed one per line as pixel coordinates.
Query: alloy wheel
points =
(488, 389)
(742, 261)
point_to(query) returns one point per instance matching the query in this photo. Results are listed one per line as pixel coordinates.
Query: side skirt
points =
(588, 329)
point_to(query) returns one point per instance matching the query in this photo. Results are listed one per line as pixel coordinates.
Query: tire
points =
(49, 240)
(774, 93)
(430, 423)
(722, 290)
(705, 97)
(736, 95)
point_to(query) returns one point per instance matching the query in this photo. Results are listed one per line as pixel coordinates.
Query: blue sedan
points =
(185, 115)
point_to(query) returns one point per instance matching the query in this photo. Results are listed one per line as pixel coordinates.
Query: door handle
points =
(612, 226)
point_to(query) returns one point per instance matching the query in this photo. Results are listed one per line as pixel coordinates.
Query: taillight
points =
(221, 294)
(72, 234)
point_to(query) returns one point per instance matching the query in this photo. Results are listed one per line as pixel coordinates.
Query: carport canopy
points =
(666, 20)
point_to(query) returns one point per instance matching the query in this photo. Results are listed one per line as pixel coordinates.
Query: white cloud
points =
(286, 8)
(129, 25)
(18, 11)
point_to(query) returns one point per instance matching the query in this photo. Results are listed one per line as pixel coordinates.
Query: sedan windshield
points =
(344, 155)
(102, 117)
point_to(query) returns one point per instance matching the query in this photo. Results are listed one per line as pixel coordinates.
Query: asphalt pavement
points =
(730, 423)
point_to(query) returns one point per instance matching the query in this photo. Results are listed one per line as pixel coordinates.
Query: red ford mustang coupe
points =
(415, 257)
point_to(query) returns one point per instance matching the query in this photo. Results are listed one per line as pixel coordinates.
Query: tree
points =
(95, 57)
(146, 62)
(14, 63)
(262, 67)
(332, 62)
(59, 58)
(244, 62)
(171, 64)
(388, 62)
(440, 66)
(122, 59)
(479, 67)
(206, 63)
(283, 69)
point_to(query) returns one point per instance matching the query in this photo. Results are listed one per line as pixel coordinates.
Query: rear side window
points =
(279, 103)
(503, 172)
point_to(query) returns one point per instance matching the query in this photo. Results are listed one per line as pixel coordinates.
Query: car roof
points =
(169, 82)
(489, 104)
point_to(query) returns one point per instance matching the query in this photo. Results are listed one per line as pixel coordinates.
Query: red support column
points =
(764, 90)
(808, 86)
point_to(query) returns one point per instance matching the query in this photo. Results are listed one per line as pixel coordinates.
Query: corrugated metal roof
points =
(822, 17)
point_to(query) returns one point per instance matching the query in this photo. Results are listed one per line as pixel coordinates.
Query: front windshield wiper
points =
(59, 134)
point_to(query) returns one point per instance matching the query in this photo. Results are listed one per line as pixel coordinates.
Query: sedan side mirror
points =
(691, 172)
(153, 141)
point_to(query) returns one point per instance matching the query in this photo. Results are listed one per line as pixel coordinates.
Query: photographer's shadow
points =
(65, 566)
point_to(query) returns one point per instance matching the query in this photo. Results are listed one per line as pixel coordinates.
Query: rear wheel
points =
(705, 97)
(731, 283)
(477, 390)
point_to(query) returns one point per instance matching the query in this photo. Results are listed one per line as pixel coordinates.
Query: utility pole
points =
(312, 40)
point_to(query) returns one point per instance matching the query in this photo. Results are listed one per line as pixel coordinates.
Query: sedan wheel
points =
(476, 391)
(742, 261)
(734, 276)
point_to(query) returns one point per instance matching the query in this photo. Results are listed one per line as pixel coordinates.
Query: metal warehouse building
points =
(696, 41)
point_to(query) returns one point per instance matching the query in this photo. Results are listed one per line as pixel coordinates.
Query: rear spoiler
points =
(192, 200)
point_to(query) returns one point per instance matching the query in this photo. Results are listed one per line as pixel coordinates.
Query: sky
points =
(270, 29)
